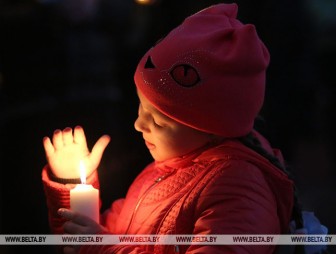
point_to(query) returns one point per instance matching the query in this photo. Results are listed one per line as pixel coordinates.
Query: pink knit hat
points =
(208, 73)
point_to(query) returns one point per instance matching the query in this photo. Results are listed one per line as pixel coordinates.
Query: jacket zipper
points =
(156, 182)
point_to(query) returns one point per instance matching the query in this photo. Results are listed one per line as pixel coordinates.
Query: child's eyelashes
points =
(156, 124)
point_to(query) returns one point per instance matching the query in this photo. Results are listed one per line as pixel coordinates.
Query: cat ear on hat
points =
(255, 57)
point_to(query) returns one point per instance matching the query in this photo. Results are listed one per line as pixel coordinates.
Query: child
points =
(200, 89)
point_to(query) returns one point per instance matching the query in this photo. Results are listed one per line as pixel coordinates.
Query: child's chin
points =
(157, 157)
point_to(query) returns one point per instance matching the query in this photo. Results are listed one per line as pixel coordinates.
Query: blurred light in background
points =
(146, 2)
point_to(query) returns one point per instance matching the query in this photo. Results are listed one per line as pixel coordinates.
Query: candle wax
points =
(84, 199)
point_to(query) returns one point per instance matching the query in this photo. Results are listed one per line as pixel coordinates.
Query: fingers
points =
(57, 139)
(73, 228)
(79, 136)
(99, 147)
(66, 213)
(60, 139)
(48, 147)
(75, 217)
(67, 136)
(77, 223)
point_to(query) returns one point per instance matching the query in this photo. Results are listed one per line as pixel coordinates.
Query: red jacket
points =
(226, 189)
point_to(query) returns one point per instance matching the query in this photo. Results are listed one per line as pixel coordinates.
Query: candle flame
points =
(82, 172)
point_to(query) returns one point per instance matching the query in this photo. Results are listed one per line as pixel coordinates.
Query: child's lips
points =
(149, 145)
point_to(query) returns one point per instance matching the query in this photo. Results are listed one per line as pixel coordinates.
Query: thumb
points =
(48, 147)
(99, 147)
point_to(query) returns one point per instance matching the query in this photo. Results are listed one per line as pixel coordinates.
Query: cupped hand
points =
(78, 224)
(67, 148)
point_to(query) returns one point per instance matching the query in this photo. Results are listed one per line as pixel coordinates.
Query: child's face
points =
(164, 137)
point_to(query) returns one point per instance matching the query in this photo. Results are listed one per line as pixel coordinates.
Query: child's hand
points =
(68, 148)
(78, 224)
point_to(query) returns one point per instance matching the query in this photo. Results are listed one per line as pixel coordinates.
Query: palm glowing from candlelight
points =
(68, 148)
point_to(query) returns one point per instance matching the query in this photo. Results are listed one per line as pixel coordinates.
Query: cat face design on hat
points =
(171, 73)
(183, 74)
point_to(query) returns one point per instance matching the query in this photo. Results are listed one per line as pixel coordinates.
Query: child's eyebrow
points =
(154, 111)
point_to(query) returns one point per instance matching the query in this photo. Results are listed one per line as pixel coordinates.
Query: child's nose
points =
(140, 125)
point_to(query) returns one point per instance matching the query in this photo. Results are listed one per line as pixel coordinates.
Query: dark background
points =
(70, 62)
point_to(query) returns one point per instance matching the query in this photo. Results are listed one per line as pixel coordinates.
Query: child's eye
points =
(157, 124)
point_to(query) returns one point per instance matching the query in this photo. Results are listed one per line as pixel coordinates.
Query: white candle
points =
(84, 198)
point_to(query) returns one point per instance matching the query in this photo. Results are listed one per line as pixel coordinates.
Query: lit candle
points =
(84, 198)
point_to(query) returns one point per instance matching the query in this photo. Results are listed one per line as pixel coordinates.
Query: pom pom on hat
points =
(208, 73)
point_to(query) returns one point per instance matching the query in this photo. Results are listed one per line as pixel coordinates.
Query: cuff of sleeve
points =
(54, 178)
(64, 183)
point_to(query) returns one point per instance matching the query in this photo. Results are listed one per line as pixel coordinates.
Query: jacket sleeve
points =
(58, 196)
(238, 201)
